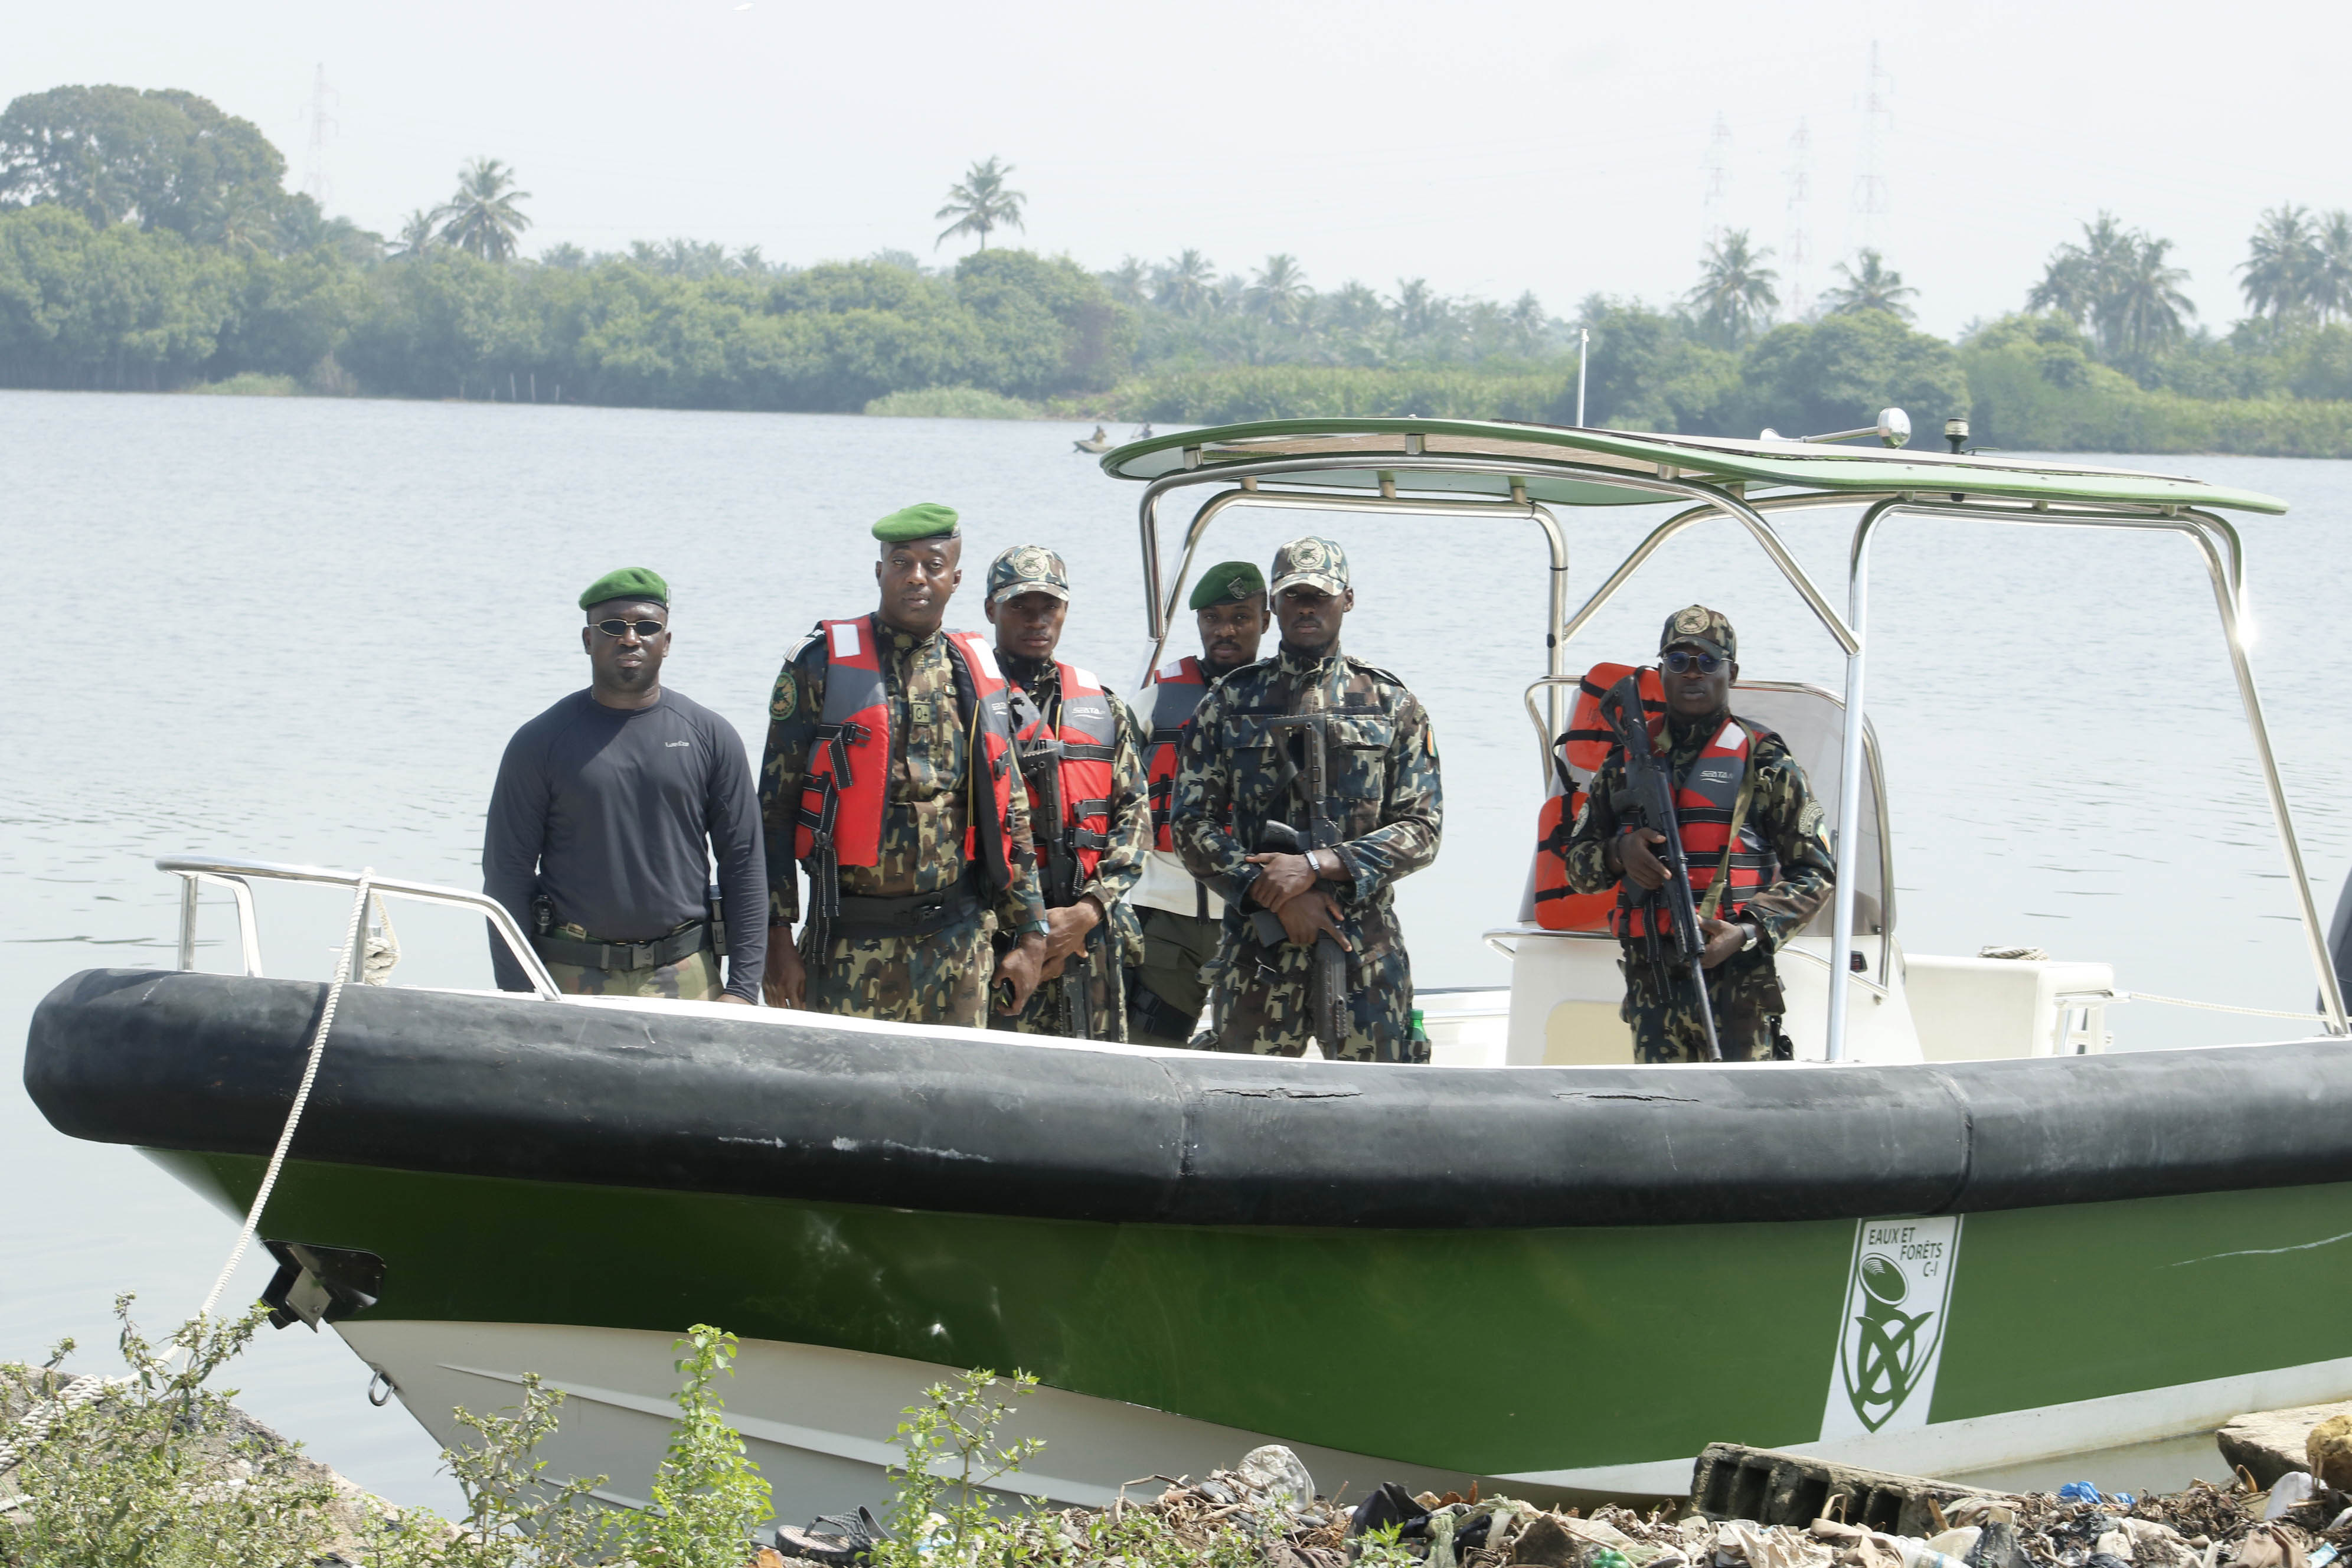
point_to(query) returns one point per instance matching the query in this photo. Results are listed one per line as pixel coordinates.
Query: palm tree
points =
(1185, 284)
(1735, 294)
(1526, 322)
(1128, 280)
(2332, 268)
(2281, 259)
(1874, 285)
(981, 205)
(1279, 293)
(2143, 311)
(240, 220)
(1352, 307)
(419, 233)
(482, 218)
(303, 228)
(2079, 276)
(1421, 312)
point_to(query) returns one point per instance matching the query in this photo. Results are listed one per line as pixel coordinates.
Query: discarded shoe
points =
(837, 1540)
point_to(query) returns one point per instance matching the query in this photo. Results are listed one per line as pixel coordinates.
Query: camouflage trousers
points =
(1106, 992)
(1177, 949)
(1745, 992)
(694, 978)
(1259, 998)
(940, 978)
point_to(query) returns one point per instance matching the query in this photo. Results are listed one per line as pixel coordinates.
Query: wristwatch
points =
(1755, 935)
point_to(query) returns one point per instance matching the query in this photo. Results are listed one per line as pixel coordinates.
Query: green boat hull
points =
(1578, 1358)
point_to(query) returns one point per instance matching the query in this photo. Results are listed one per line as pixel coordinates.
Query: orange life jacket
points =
(1081, 750)
(1705, 800)
(1576, 758)
(1177, 689)
(848, 779)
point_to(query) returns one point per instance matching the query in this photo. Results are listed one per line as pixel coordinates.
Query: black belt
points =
(917, 915)
(654, 954)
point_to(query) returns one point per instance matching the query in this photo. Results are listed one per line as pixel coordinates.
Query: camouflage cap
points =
(1314, 562)
(627, 582)
(1710, 629)
(1027, 569)
(1228, 582)
(924, 520)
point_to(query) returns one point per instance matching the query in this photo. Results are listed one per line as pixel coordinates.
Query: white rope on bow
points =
(302, 1094)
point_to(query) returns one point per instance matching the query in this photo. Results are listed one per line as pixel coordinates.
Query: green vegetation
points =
(147, 242)
(951, 403)
(250, 383)
(158, 1471)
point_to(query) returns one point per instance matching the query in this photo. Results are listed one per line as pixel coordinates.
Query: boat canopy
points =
(1584, 459)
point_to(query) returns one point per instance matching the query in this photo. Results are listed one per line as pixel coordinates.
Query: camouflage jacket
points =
(1383, 761)
(926, 807)
(1121, 864)
(1783, 812)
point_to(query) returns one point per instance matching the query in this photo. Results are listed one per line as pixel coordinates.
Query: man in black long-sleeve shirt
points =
(603, 810)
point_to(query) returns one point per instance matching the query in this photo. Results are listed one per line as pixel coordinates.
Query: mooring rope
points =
(302, 1094)
(34, 1424)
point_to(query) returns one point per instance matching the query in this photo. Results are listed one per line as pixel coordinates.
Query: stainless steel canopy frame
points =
(1161, 606)
(2217, 543)
(2223, 554)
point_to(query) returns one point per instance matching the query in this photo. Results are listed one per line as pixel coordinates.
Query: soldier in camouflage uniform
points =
(1699, 655)
(1028, 601)
(911, 943)
(1385, 796)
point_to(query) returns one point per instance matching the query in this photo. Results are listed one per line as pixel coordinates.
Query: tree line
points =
(147, 241)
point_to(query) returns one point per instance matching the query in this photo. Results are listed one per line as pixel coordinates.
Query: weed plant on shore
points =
(159, 1470)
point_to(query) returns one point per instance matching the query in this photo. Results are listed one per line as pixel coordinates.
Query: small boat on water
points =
(1956, 1234)
(1098, 442)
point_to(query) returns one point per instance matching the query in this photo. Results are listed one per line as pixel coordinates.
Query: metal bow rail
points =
(236, 876)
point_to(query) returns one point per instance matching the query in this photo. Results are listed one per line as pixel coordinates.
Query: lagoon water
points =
(303, 630)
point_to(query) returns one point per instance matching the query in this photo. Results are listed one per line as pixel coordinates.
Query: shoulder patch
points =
(1809, 821)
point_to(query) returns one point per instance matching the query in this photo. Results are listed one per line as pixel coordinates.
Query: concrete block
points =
(2270, 1443)
(1734, 1481)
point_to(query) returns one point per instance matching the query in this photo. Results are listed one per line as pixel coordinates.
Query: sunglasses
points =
(1684, 660)
(617, 629)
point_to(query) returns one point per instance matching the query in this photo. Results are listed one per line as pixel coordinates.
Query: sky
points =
(1490, 148)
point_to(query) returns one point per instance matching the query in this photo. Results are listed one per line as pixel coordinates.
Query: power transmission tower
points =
(1796, 246)
(1869, 211)
(1718, 183)
(322, 127)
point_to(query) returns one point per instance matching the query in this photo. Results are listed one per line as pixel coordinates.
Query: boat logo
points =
(1899, 1297)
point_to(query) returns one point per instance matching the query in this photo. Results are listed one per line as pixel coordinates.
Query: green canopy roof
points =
(1584, 459)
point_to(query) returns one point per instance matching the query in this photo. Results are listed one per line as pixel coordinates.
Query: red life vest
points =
(1082, 749)
(848, 779)
(1705, 800)
(1177, 689)
(1575, 759)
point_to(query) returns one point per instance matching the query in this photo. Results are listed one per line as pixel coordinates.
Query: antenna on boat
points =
(1893, 428)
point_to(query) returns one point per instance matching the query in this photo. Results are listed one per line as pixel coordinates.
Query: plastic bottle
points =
(1420, 1038)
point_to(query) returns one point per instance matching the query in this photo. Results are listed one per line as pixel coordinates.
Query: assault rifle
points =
(1327, 984)
(1648, 801)
(1061, 877)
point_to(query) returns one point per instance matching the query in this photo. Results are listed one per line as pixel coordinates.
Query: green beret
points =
(1227, 582)
(924, 520)
(628, 583)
